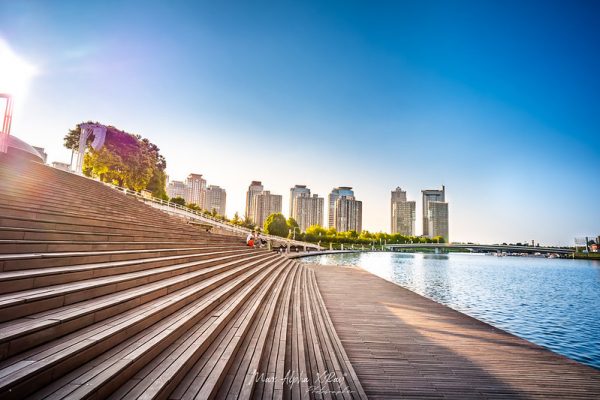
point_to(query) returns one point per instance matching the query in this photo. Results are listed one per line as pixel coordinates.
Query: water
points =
(554, 303)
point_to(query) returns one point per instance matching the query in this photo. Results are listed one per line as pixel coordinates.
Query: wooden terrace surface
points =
(404, 346)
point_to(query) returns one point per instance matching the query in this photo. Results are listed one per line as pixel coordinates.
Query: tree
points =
(291, 223)
(194, 206)
(293, 227)
(248, 223)
(316, 230)
(178, 200)
(236, 219)
(438, 239)
(275, 224)
(125, 159)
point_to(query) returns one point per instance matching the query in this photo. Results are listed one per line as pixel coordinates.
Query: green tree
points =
(178, 200)
(275, 224)
(248, 223)
(194, 206)
(236, 219)
(125, 159)
(293, 227)
(291, 223)
(438, 239)
(316, 230)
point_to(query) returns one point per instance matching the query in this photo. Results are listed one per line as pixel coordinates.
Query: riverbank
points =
(403, 345)
(587, 256)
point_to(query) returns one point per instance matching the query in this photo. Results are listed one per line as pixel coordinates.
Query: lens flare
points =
(15, 73)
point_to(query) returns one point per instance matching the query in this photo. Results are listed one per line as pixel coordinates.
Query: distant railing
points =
(178, 209)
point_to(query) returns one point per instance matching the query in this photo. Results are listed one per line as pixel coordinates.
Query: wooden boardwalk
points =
(403, 345)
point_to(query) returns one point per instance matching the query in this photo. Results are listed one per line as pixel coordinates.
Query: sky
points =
(498, 101)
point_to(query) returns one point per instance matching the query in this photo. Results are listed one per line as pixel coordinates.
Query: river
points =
(554, 303)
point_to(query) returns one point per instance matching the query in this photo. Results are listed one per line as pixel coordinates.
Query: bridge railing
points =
(493, 247)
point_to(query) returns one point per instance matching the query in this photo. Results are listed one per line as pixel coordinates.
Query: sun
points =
(15, 73)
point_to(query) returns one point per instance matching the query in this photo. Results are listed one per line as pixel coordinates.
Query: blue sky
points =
(497, 101)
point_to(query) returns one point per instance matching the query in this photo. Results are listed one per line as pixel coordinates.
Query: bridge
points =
(482, 247)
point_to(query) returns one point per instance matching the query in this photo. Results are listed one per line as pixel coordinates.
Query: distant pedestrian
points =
(250, 239)
(257, 240)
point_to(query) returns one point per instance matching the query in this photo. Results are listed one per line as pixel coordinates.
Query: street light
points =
(294, 233)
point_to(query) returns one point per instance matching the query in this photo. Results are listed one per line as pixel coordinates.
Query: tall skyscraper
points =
(216, 199)
(336, 193)
(176, 189)
(265, 204)
(196, 190)
(306, 210)
(348, 214)
(403, 213)
(297, 191)
(255, 188)
(438, 219)
(431, 195)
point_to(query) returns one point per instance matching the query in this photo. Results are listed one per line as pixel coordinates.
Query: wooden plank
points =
(403, 345)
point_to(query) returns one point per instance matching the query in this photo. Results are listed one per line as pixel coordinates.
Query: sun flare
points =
(15, 72)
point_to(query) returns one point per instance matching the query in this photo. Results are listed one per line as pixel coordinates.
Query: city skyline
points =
(372, 96)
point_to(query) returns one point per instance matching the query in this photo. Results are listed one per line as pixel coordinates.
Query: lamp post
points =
(294, 233)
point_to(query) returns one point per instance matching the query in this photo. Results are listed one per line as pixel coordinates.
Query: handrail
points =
(187, 212)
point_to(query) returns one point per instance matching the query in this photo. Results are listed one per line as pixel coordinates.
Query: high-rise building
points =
(306, 210)
(348, 214)
(255, 188)
(196, 190)
(403, 213)
(431, 195)
(336, 193)
(265, 204)
(216, 199)
(437, 215)
(295, 192)
(176, 189)
(398, 195)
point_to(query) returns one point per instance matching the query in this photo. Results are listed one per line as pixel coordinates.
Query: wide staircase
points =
(102, 296)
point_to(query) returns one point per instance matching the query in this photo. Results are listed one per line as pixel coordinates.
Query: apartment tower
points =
(336, 193)
(307, 210)
(438, 219)
(345, 212)
(265, 204)
(403, 213)
(216, 199)
(255, 188)
(176, 189)
(195, 190)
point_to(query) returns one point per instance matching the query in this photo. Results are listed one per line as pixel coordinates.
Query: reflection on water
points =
(554, 303)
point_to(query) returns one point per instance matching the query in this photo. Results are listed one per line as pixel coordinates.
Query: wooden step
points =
(257, 347)
(20, 304)
(135, 351)
(13, 281)
(267, 380)
(193, 351)
(36, 368)
(21, 334)
(60, 246)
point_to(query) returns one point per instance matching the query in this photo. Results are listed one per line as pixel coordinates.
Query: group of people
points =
(254, 240)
